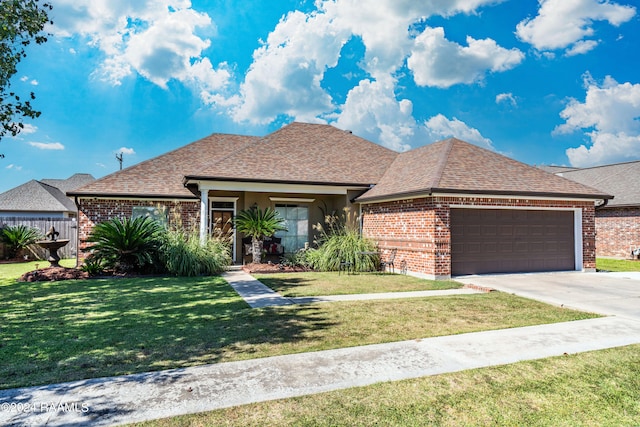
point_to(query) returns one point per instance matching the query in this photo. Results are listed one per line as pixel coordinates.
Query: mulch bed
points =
(53, 273)
(272, 268)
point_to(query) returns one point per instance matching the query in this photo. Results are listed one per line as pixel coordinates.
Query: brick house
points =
(618, 220)
(448, 208)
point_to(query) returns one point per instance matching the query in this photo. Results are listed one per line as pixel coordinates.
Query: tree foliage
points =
(21, 23)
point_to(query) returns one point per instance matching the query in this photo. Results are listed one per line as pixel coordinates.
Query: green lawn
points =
(600, 388)
(332, 283)
(8, 271)
(607, 264)
(68, 330)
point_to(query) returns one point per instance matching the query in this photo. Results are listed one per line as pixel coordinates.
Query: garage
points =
(511, 240)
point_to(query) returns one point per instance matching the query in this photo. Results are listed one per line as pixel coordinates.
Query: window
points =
(159, 213)
(297, 222)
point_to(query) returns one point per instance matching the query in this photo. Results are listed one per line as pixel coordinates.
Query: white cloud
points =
(435, 61)
(47, 145)
(34, 82)
(581, 47)
(507, 98)
(287, 72)
(101, 165)
(609, 117)
(567, 23)
(156, 39)
(373, 112)
(125, 150)
(14, 167)
(439, 127)
(24, 78)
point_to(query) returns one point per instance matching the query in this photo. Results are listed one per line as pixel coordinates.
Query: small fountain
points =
(52, 245)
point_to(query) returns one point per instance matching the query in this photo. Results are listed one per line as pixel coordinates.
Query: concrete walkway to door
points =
(616, 294)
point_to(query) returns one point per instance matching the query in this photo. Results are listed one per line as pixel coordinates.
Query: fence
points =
(67, 227)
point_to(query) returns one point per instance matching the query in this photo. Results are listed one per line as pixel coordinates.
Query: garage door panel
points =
(496, 240)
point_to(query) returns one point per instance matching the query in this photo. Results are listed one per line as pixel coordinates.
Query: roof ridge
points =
(604, 166)
(443, 162)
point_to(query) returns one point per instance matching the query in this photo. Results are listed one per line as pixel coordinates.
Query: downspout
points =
(75, 200)
(604, 203)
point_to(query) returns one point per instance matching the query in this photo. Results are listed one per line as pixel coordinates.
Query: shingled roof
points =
(454, 166)
(47, 195)
(303, 153)
(322, 154)
(35, 196)
(620, 179)
(297, 153)
(163, 176)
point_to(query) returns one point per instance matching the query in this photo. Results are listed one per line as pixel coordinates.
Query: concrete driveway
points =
(605, 293)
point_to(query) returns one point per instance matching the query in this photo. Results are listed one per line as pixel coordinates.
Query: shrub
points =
(296, 259)
(184, 255)
(126, 245)
(258, 224)
(18, 237)
(92, 266)
(342, 243)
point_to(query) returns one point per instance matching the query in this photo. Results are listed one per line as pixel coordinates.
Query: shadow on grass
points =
(53, 332)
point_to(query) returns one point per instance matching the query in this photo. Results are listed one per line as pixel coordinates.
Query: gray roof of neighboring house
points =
(454, 166)
(74, 181)
(619, 179)
(556, 169)
(41, 196)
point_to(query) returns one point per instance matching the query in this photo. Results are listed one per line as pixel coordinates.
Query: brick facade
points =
(618, 231)
(420, 228)
(92, 211)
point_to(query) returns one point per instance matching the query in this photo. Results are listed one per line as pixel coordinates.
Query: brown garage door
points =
(509, 241)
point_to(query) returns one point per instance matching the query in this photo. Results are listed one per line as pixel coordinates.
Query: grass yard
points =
(332, 283)
(608, 264)
(61, 331)
(14, 270)
(600, 388)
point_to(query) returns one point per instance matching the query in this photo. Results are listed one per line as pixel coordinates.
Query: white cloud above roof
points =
(373, 112)
(287, 72)
(609, 118)
(159, 40)
(436, 61)
(47, 145)
(439, 127)
(125, 150)
(562, 24)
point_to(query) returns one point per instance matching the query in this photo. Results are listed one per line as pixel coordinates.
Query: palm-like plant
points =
(258, 224)
(126, 245)
(18, 237)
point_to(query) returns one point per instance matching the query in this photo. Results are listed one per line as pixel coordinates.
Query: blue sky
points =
(545, 82)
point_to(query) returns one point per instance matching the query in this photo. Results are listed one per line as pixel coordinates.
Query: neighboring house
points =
(618, 221)
(449, 208)
(43, 199)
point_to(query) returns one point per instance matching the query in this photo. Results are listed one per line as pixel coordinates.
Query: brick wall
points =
(93, 211)
(618, 231)
(420, 228)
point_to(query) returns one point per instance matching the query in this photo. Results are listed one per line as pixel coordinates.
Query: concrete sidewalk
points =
(119, 400)
(257, 295)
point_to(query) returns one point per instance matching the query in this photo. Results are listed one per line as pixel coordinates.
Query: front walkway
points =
(133, 398)
(257, 295)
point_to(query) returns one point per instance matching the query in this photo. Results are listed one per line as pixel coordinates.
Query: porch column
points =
(204, 215)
